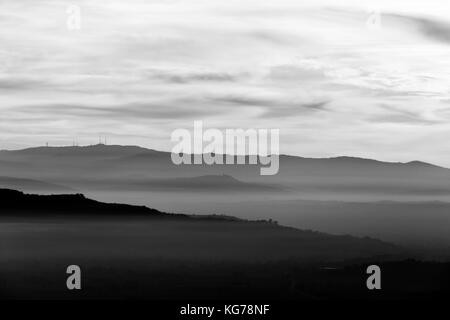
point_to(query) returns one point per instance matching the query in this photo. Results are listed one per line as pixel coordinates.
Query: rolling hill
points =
(341, 195)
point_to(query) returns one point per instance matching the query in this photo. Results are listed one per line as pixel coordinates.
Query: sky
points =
(357, 78)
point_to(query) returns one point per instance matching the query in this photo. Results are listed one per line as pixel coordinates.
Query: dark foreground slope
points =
(135, 252)
(18, 204)
(205, 237)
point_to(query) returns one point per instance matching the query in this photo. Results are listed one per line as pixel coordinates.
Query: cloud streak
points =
(139, 69)
(139, 110)
(431, 28)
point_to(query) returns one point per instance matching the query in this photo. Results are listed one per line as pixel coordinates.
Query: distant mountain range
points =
(134, 168)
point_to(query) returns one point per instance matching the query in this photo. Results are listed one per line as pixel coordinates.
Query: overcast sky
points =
(368, 79)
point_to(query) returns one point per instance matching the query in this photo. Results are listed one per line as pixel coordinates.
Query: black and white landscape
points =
(91, 91)
(287, 231)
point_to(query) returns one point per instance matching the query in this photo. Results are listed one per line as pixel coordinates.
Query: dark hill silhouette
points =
(16, 204)
(33, 205)
(150, 254)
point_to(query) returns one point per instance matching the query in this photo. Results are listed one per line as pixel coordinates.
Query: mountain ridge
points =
(134, 150)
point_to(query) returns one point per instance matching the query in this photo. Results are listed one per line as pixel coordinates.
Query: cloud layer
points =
(365, 79)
